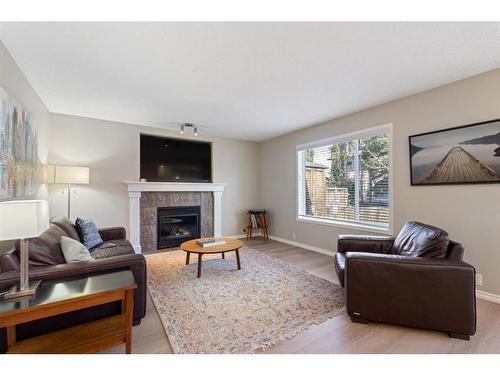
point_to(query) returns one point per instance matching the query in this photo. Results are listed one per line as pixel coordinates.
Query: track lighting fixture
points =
(189, 125)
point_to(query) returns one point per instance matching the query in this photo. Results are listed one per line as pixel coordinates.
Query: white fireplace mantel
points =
(135, 188)
(173, 186)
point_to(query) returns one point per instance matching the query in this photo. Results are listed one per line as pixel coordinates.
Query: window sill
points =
(342, 224)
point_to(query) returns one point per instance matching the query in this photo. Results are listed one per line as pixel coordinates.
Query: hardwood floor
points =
(340, 335)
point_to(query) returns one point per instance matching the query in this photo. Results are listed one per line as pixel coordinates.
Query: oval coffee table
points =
(230, 245)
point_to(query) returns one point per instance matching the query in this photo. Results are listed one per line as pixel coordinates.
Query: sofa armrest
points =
(114, 233)
(432, 293)
(366, 244)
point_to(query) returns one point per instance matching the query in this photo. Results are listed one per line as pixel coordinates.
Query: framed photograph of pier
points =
(468, 154)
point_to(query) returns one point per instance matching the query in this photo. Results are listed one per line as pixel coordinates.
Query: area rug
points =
(236, 311)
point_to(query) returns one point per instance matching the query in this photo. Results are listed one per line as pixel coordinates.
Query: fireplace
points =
(177, 224)
(146, 197)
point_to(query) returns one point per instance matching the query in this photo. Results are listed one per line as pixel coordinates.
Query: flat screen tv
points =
(175, 160)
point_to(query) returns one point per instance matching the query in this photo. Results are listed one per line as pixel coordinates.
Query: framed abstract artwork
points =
(468, 154)
(18, 150)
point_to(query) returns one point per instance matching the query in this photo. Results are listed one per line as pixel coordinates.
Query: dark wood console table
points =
(58, 297)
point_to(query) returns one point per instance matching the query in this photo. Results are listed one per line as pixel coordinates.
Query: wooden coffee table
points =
(230, 245)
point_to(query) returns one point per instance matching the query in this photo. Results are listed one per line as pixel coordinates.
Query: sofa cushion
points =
(112, 248)
(74, 251)
(67, 226)
(88, 232)
(46, 248)
(40, 254)
(9, 261)
(421, 240)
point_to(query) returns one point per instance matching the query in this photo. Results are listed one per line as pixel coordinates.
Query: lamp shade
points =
(23, 218)
(61, 174)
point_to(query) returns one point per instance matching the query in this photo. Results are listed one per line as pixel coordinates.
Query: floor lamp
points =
(23, 219)
(62, 174)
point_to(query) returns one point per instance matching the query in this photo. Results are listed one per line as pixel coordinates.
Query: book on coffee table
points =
(207, 242)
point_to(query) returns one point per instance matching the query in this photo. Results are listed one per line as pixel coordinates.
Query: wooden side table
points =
(58, 297)
(257, 219)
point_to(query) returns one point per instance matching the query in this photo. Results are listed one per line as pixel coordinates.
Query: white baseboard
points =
(242, 235)
(488, 296)
(304, 246)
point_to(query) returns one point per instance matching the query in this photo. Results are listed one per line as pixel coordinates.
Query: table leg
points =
(265, 229)
(188, 254)
(199, 265)
(238, 258)
(11, 335)
(223, 256)
(129, 309)
(249, 226)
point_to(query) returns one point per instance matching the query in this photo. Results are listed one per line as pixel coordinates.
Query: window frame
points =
(386, 129)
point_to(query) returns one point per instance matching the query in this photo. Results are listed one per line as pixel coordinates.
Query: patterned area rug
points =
(231, 311)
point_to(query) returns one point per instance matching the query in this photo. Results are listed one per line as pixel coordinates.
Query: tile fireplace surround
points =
(146, 197)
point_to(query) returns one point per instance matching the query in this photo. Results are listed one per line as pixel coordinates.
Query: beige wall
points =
(470, 213)
(111, 150)
(15, 84)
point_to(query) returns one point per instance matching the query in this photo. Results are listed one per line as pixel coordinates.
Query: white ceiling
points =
(250, 81)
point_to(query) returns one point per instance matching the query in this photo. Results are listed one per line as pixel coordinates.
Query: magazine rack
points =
(257, 219)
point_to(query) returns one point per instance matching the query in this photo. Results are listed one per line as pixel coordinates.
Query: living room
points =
(249, 188)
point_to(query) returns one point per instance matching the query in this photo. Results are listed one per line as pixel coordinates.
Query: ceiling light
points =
(183, 125)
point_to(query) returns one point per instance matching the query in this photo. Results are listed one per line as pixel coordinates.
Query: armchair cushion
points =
(421, 240)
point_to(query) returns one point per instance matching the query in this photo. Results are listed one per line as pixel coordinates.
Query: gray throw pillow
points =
(74, 251)
(88, 232)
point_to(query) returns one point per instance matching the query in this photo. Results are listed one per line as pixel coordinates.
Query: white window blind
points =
(347, 181)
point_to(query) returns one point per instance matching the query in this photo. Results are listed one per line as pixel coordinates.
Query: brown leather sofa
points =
(417, 279)
(47, 262)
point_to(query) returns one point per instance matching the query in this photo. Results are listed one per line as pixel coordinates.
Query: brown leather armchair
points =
(47, 263)
(417, 279)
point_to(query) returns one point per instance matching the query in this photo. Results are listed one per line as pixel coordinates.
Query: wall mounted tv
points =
(175, 160)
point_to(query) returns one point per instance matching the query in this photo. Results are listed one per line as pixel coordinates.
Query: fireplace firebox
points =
(177, 224)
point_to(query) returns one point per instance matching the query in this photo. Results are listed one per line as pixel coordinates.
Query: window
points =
(347, 180)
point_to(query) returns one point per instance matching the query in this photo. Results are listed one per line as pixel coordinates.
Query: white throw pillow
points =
(74, 251)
